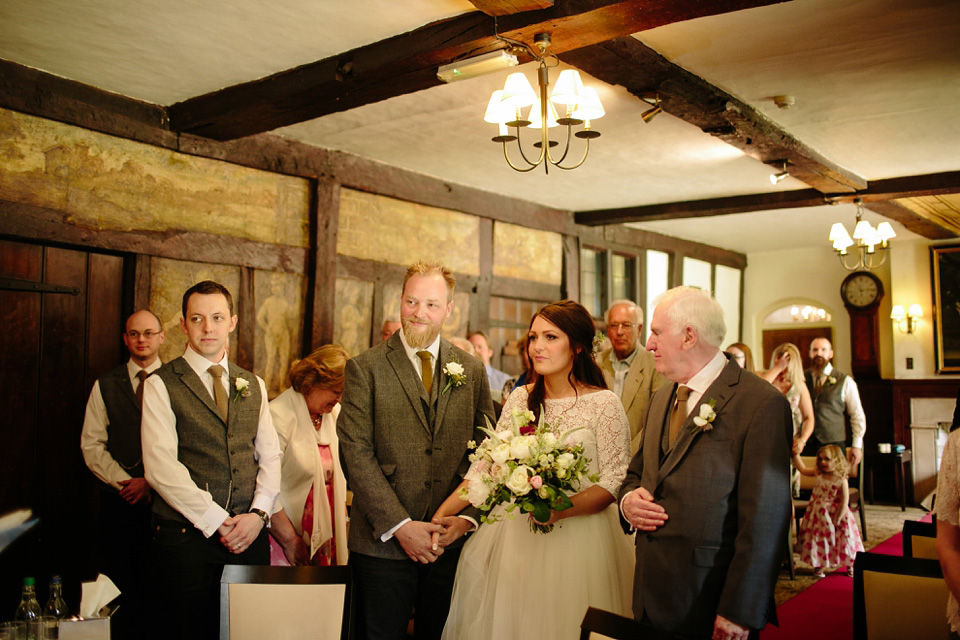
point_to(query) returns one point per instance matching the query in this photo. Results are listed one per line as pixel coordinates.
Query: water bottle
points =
(29, 610)
(56, 607)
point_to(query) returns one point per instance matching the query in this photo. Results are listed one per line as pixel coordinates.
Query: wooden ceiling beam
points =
(509, 7)
(642, 71)
(407, 63)
(877, 196)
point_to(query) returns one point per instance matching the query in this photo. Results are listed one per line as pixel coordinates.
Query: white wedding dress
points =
(514, 583)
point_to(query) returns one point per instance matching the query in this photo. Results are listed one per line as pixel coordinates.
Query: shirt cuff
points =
(473, 523)
(211, 520)
(856, 443)
(389, 534)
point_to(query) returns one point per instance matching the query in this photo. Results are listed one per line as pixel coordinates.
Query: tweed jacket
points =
(404, 452)
(641, 382)
(726, 492)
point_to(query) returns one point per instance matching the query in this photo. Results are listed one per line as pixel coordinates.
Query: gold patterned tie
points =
(426, 370)
(219, 393)
(142, 375)
(679, 415)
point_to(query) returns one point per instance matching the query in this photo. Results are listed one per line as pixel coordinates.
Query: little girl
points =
(829, 536)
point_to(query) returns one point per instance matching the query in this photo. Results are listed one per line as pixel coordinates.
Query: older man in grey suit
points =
(709, 490)
(406, 418)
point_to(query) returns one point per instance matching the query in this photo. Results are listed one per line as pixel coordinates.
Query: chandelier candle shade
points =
(579, 105)
(865, 241)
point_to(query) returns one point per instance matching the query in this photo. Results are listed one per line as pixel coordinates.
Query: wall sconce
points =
(906, 321)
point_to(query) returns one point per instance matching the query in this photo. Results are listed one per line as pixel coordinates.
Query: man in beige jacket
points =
(627, 367)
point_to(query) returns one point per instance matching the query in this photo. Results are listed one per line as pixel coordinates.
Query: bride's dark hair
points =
(575, 321)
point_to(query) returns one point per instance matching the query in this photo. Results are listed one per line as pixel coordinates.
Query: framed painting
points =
(945, 264)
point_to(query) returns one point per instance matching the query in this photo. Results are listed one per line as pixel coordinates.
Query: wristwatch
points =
(260, 513)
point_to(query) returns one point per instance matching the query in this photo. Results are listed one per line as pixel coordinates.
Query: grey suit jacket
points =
(402, 452)
(641, 382)
(727, 494)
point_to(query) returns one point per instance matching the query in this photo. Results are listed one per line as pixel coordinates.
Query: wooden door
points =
(799, 336)
(53, 347)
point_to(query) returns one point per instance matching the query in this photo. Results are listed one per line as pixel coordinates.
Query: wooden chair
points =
(920, 539)
(309, 602)
(611, 625)
(855, 504)
(896, 598)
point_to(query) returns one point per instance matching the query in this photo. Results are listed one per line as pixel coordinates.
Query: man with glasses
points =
(627, 367)
(110, 442)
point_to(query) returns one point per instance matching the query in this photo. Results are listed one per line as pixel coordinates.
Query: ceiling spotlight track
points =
(580, 105)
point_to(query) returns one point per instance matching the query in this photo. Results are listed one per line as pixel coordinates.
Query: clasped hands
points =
(237, 533)
(642, 512)
(424, 542)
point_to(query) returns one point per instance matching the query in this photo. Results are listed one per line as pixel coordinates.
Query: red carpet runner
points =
(825, 610)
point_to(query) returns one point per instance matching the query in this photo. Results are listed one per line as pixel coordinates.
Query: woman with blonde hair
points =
(310, 525)
(786, 374)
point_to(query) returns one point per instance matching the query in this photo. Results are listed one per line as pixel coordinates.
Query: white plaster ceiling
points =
(877, 87)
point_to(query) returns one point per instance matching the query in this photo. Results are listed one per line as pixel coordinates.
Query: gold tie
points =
(818, 384)
(142, 374)
(679, 415)
(426, 370)
(219, 393)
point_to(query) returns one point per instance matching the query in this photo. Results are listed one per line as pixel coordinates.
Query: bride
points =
(513, 583)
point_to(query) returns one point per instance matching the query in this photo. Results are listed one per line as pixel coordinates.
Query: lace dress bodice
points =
(605, 434)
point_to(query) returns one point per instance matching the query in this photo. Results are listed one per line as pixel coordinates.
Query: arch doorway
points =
(797, 321)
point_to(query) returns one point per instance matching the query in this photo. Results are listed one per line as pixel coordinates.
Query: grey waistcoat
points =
(219, 457)
(828, 408)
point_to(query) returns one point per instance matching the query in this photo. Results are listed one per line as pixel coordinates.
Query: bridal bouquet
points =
(528, 466)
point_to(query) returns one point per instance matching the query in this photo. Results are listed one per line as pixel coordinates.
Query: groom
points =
(404, 426)
(709, 497)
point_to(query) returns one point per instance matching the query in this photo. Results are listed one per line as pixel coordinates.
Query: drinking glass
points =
(13, 630)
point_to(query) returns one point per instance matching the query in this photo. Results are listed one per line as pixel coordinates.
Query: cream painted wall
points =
(775, 278)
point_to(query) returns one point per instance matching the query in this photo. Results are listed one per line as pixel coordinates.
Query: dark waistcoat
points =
(123, 420)
(828, 408)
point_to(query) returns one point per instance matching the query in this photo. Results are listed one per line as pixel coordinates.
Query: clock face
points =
(861, 289)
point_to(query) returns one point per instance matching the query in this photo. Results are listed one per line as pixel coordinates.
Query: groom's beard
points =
(419, 335)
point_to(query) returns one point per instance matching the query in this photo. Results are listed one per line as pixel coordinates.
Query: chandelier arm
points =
(524, 156)
(845, 265)
(566, 149)
(586, 149)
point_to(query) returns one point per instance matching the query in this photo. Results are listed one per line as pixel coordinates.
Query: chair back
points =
(896, 598)
(308, 602)
(602, 625)
(920, 539)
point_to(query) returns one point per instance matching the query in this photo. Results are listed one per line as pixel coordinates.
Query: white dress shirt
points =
(93, 437)
(171, 479)
(851, 400)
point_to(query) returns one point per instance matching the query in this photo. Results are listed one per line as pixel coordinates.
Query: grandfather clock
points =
(862, 292)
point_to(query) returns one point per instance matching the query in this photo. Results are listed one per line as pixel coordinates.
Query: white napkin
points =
(95, 595)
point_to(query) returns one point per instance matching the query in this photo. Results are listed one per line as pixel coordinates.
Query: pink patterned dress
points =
(823, 544)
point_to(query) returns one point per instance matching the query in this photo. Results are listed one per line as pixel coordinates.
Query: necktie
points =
(679, 415)
(219, 393)
(142, 375)
(426, 370)
(818, 384)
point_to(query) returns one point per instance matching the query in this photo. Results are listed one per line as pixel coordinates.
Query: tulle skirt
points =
(513, 583)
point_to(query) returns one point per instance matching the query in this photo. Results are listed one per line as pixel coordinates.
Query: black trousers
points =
(185, 568)
(124, 551)
(813, 446)
(388, 592)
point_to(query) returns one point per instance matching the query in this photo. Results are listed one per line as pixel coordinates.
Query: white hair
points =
(694, 307)
(634, 307)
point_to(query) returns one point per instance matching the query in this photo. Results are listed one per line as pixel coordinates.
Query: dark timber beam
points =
(642, 71)
(876, 196)
(407, 63)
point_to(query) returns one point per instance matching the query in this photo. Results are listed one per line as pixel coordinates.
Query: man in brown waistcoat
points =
(110, 442)
(211, 453)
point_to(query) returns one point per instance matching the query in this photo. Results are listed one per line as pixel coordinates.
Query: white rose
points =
(700, 422)
(500, 453)
(549, 441)
(454, 369)
(519, 480)
(523, 447)
(498, 471)
(705, 411)
(565, 461)
(505, 436)
(242, 384)
(477, 490)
